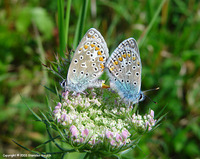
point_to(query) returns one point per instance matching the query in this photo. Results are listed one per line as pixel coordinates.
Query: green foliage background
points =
(170, 55)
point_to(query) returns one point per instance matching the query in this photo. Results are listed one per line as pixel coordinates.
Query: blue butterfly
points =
(87, 64)
(124, 68)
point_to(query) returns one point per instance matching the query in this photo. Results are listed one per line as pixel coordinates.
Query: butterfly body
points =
(88, 63)
(124, 68)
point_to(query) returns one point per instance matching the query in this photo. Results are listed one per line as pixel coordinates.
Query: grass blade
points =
(61, 27)
(81, 22)
(144, 35)
(67, 20)
(31, 110)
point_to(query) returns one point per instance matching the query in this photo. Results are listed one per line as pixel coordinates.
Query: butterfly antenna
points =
(154, 89)
(151, 99)
(53, 71)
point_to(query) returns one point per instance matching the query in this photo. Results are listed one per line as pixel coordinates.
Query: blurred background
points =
(170, 55)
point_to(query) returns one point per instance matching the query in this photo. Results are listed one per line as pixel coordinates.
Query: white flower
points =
(87, 122)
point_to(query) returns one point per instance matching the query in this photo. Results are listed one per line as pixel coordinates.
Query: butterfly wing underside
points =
(88, 62)
(124, 67)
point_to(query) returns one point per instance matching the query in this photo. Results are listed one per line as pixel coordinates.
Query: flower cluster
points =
(145, 122)
(90, 124)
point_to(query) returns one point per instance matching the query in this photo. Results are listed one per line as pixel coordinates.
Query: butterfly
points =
(87, 64)
(124, 69)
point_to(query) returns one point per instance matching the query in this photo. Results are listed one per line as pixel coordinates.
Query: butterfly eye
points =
(63, 84)
(141, 97)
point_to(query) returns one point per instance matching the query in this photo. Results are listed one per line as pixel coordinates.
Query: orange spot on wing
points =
(120, 59)
(100, 58)
(116, 62)
(99, 53)
(96, 48)
(85, 46)
(112, 68)
(124, 55)
(102, 66)
(92, 45)
(129, 55)
(134, 58)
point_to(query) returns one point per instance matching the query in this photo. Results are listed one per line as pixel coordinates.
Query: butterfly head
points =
(63, 84)
(141, 96)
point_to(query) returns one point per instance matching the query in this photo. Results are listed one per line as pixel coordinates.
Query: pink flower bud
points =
(65, 94)
(81, 140)
(56, 111)
(125, 134)
(85, 132)
(58, 106)
(93, 141)
(147, 124)
(63, 117)
(152, 113)
(109, 134)
(118, 138)
(68, 101)
(112, 142)
(74, 131)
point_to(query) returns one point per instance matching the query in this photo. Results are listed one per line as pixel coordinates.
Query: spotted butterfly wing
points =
(88, 62)
(124, 68)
